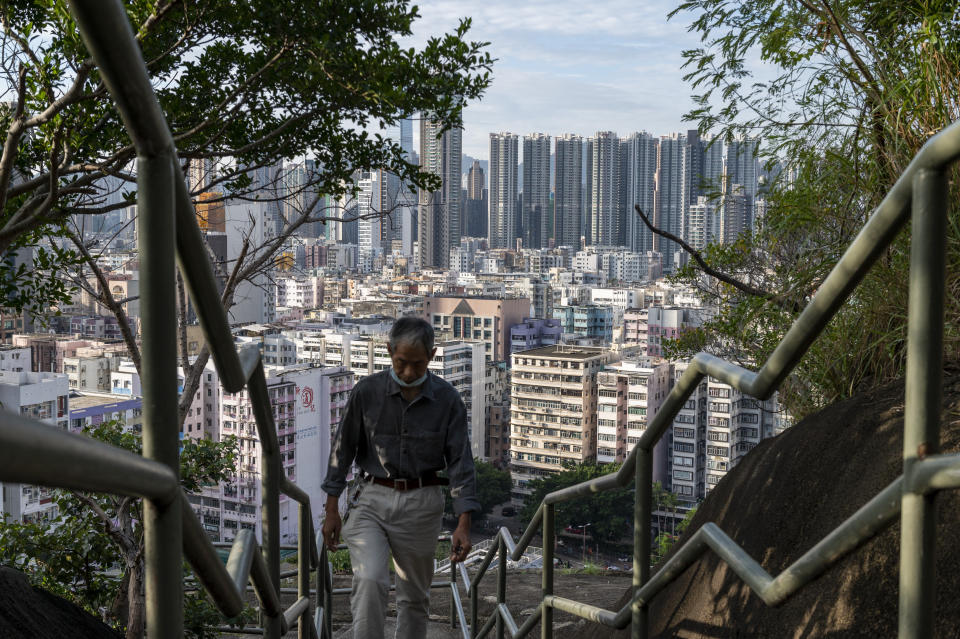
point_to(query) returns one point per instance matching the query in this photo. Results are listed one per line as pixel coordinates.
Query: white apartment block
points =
(44, 397)
(91, 369)
(716, 428)
(15, 359)
(463, 365)
(125, 380)
(306, 401)
(553, 410)
(292, 292)
(275, 349)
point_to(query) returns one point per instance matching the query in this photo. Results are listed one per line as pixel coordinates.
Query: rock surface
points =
(32, 613)
(787, 495)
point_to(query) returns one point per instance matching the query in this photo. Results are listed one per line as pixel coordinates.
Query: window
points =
(684, 475)
(717, 451)
(685, 433)
(683, 447)
(715, 436)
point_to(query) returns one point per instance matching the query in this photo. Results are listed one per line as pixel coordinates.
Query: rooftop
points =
(564, 351)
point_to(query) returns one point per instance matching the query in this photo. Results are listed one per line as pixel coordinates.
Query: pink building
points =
(487, 319)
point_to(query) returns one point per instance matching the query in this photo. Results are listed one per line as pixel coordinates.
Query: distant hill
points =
(782, 499)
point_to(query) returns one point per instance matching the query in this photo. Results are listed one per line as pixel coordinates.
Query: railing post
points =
(501, 584)
(328, 598)
(642, 507)
(546, 617)
(475, 606)
(453, 604)
(921, 435)
(270, 513)
(321, 586)
(303, 568)
(161, 438)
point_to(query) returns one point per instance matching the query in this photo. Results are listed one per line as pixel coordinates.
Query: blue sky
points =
(572, 67)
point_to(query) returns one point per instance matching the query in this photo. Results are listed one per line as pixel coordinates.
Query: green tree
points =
(609, 513)
(91, 552)
(850, 91)
(493, 488)
(244, 85)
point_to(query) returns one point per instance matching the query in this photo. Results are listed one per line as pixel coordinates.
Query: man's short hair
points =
(412, 330)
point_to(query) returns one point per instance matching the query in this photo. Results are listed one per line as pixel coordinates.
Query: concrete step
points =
(435, 630)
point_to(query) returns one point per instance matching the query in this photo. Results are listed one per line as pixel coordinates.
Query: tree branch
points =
(706, 268)
(107, 299)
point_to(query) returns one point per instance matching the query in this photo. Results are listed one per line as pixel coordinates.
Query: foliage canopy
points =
(850, 90)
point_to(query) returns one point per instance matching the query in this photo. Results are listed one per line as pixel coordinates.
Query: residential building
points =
(535, 213)
(15, 359)
(90, 368)
(668, 323)
(502, 194)
(586, 320)
(463, 365)
(534, 333)
(487, 319)
(669, 211)
(606, 209)
(568, 192)
(475, 205)
(630, 393)
(44, 397)
(92, 409)
(439, 211)
(497, 421)
(639, 159)
(717, 426)
(553, 411)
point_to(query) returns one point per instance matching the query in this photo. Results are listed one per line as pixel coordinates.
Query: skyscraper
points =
(439, 216)
(743, 167)
(669, 208)
(536, 189)
(568, 191)
(640, 187)
(370, 223)
(606, 210)
(475, 207)
(299, 195)
(503, 189)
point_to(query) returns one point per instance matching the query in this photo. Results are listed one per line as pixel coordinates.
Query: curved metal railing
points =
(921, 190)
(33, 452)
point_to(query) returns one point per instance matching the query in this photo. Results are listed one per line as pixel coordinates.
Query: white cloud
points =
(572, 67)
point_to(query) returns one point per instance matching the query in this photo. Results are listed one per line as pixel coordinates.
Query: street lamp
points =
(584, 529)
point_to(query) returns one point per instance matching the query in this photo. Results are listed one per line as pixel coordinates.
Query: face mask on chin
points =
(404, 384)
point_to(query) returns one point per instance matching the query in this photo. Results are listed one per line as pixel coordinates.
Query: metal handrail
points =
(167, 218)
(921, 187)
(168, 226)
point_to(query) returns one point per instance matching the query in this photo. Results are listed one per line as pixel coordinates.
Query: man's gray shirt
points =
(395, 439)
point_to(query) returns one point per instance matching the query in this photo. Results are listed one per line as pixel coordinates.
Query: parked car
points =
(508, 511)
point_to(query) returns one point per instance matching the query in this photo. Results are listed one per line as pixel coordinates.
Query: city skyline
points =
(564, 68)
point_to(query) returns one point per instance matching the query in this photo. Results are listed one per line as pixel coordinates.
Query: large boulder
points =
(33, 613)
(787, 495)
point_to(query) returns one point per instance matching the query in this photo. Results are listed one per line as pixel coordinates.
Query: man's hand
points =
(332, 523)
(331, 529)
(460, 540)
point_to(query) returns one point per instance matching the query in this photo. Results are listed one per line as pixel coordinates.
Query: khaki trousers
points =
(406, 524)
